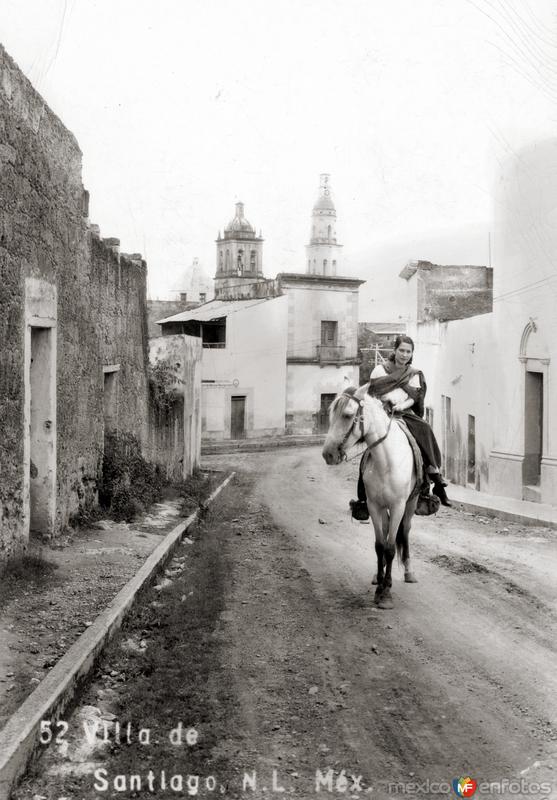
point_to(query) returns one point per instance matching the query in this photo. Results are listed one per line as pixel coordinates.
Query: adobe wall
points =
(52, 268)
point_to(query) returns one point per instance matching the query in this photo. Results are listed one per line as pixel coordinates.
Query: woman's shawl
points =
(399, 378)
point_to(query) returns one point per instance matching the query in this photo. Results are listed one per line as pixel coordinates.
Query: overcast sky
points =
(183, 107)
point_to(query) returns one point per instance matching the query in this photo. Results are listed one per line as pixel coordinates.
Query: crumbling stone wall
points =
(453, 292)
(100, 311)
(175, 431)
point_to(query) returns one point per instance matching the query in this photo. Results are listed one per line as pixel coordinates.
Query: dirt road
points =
(299, 685)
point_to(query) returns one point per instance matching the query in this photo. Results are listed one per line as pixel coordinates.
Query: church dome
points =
(239, 224)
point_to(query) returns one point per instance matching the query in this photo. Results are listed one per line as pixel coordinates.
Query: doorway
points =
(471, 470)
(238, 417)
(110, 398)
(533, 429)
(326, 400)
(42, 430)
(446, 421)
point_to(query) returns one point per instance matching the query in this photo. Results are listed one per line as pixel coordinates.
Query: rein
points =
(359, 418)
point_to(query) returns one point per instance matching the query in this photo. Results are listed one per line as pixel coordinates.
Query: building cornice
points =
(312, 280)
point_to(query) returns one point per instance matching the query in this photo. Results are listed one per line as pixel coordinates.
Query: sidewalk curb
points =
(19, 738)
(258, 445)
(507, 516)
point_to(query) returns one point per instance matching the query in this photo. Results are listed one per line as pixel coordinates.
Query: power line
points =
(525, 288)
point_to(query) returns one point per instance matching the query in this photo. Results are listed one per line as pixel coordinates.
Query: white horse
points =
(389, 477)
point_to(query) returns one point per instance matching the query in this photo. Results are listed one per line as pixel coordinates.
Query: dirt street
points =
(269, 644)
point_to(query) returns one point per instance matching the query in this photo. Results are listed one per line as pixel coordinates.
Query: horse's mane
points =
(341, 400)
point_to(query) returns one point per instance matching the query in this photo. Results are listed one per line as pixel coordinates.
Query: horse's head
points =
(346, 423)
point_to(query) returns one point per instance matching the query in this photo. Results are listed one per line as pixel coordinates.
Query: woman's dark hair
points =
(401, 339)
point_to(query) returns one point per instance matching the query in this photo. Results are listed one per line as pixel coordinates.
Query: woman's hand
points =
(399, 407)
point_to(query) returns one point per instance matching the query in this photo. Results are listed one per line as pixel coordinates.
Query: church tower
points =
(323, 253)
(239, 254)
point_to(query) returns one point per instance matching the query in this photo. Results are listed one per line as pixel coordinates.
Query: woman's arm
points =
(412, 390)
(398, 398)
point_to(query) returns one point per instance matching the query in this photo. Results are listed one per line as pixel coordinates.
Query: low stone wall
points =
(174, 440)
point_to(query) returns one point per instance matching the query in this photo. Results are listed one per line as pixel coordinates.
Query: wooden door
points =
(326, 400)
(238, 417)
(533, 434)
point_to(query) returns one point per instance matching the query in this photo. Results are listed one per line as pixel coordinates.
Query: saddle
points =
(428, 503)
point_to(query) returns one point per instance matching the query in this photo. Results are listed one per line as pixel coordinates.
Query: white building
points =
(322, 324)
(322, 346)
(493, 395)
(243, 366)
(275, 351)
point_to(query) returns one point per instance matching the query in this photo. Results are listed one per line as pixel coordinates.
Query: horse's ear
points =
(350, 390)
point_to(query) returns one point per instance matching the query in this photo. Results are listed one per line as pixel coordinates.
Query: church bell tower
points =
(239, 254)
(323, 252)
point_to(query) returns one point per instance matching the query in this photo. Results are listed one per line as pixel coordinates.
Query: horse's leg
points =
(395, 517)
(385, 517)
(377, 520)
(403, 541)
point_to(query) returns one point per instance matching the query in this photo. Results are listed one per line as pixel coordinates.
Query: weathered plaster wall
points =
(99, 315)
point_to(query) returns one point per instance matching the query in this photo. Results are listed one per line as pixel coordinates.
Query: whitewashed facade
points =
(243, 371)
(492, 383)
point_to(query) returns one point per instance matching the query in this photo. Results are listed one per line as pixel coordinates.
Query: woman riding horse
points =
(404, 388)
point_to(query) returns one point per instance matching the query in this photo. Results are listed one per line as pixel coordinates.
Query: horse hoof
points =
(374, 580)
(386, 602)
(409, 577)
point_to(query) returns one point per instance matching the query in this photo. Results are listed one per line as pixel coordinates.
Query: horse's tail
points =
(401, 540)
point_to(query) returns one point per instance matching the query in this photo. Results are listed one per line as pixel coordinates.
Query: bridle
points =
(359, 420)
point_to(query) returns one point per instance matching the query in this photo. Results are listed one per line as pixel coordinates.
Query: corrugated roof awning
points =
(214, 310)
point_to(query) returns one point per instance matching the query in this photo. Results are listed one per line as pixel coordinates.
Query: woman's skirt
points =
(423, 434)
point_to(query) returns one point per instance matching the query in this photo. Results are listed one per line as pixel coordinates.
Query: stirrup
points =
(359, 510)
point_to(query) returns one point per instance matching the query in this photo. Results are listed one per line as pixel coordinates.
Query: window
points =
(253, 260)
(329, 333)
(213, 334)
(227, 259)
(202, 297)
(324, 266)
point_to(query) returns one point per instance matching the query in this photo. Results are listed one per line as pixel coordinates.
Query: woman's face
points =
(403, 354)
